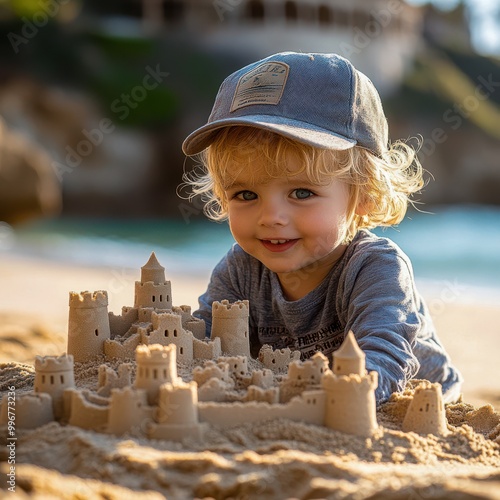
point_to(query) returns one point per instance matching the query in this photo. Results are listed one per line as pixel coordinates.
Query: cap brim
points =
(303, 132)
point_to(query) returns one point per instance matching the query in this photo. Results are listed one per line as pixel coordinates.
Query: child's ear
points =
(363, 207)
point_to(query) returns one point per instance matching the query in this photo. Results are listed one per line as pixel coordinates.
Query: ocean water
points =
(452, 248)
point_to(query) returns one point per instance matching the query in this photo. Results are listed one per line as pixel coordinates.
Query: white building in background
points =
(379, 36)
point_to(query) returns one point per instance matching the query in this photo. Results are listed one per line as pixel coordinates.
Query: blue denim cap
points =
(316, 99)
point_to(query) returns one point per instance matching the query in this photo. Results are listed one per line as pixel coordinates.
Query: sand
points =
(271, 460)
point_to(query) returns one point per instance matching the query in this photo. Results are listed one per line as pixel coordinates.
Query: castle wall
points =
(119, 325)
(31, 410)
(129, 411)
(277, 359)
(256, 393)
(89, 412)
(303, 375)
(109, 379)
(203, 349)
(122, 350)
(309, 408)
(195, 325)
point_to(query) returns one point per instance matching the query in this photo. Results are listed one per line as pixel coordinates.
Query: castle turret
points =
(349, 358)
(156, 364)
(167, 329)
(53, 375)
(178, 403)
(177, 414)
(426, 413)
(350, 396)
(88, 324)
(153, 290)
(230, 324)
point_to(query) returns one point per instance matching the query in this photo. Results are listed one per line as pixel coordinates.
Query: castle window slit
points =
(155, 373)
(62, 379)
(161, 297)
(175, 332)
(52, 380)
(181, 350)
(96, 331)
(166, 333)
(153, 298)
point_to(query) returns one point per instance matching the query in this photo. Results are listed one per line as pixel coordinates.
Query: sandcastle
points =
(153, 335)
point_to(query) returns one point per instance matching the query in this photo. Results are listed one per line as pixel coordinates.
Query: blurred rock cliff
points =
(103, 93)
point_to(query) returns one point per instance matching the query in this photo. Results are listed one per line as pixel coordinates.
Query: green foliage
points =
(23, 7)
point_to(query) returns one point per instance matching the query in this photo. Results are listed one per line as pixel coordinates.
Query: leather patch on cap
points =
(262, 85)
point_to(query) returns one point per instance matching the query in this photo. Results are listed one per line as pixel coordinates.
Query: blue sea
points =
(453, 248)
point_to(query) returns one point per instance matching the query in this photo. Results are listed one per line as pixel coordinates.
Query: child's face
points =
(294, 227)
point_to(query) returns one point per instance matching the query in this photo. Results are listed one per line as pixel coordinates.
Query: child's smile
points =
(295, 227)
(279, 245)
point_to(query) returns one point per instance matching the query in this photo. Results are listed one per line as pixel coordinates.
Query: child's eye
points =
(245, 196)
(301, 194)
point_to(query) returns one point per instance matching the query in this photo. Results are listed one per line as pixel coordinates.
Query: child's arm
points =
(380, 304)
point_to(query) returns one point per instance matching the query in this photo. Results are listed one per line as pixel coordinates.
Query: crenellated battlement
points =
(155, 354)
(352, 383)
(128, 393)
(211, 370)
(227, 310)
(277, 359)
(53, 364)
(88, 300)
(151, 285)
(309, 371)
(166, 321)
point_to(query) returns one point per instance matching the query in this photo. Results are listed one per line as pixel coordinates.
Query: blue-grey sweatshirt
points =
(370, 290)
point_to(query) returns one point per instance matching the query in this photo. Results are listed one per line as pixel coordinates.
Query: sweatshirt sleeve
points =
(383, 309)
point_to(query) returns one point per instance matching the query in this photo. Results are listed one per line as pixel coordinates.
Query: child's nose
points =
(272, 213)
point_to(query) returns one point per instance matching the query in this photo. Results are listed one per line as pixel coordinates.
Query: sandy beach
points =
(272, 460)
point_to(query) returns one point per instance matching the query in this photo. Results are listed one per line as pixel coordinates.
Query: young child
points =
(295, 155)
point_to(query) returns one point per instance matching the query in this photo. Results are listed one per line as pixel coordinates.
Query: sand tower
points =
(88, 324)
(156, 364)
(53, 375)
(230, 324)
(177, 413)
(350, 395)
(426, 413)
(128, 411)
(153, 290)
(167, 329)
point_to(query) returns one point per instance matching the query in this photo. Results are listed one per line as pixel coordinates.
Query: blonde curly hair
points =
(379, 187)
